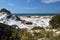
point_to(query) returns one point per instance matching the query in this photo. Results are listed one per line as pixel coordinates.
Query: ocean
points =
(34, 14)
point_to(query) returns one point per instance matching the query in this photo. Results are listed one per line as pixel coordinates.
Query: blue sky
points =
(31, 6)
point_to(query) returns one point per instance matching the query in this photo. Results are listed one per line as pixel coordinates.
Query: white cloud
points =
(10, 4)
(50, 1)
(29, 8)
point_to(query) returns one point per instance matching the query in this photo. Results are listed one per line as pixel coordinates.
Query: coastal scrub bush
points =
(37, 28)
(55, 21)
(57, 37)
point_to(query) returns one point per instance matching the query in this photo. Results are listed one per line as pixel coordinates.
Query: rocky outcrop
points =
(6, 17)
(9, 14)
(5, 11)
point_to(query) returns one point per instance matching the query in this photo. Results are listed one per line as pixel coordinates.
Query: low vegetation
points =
(55, 21)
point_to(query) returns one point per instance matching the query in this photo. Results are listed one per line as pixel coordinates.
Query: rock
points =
(5, 11)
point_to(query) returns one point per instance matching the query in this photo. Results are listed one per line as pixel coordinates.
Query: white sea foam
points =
(42, 21)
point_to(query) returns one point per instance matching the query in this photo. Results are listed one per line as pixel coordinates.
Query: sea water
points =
(34, 14)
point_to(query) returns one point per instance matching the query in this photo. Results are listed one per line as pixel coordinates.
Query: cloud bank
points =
(50, 1)
(10, 4)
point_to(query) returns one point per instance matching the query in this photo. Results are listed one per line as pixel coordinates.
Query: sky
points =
(31, 6)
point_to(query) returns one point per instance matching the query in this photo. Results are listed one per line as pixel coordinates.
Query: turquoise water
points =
(34, 14)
